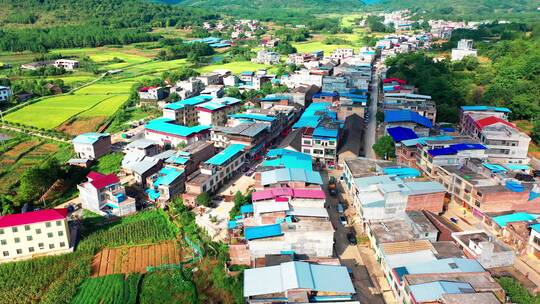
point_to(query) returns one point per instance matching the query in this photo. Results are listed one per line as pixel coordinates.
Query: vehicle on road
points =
(351, 238)
(332, 192)
(340, 209)
(343, 220)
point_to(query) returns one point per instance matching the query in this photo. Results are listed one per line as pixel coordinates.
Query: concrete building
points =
(34, 234)
(214, 90)
(464, 48)
(166, 184)
(92, 145)
(214, 172)
(505, 142)
(147, 94)
(342, 53)
(266, 57)
(141, 148)
(288, 177)
(215, 111)
(210, 78)
(5, 93)
(534, 240)
(302, 77)
(489, 251)
(297, 282)
(421, 104)
(253, 135)
(104, 194)
(408, 119)
(66, 64)
(385, 197)
(184, 111)
(168, 133)
(188, 88)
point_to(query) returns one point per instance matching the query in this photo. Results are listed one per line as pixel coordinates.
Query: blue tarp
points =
(517, 167)
(485, 108)
(259, 232)
(402, 172)
(406, 116)
(514, 186)
(494, 168)
(401, 133)
(232, 224)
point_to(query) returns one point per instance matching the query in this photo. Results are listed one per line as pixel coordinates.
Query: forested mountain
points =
(39, 25)
(465, 9)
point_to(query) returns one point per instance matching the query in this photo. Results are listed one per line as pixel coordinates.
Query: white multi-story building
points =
(266, 57)
(67, 64)
(464, 48)
(5, 93)
(342, 53)
(34, 234)
(104, 194)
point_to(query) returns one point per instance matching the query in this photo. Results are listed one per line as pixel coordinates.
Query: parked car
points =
(343, 220)
(340, 209)
(332, 192)
(352, 238)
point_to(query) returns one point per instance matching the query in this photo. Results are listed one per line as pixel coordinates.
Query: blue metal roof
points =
(232, 224)
(401, 133)
(219, 103)
(402, 172)
(485, 108)
(326, 94)
(188, 102)
(167, 176)
(536, 227)
(422, 140)
(290, 174)
(246, 208)
(442, 151)
(253, 116)
(495, 168)
(433, 291)
(88, 138)
(166, 125)
(445, 266)
(502, 220)
(514, 186)
(406, 116)
(517, 167)
(326, 133)
(312, 115)
(288, 159)
(259, 232)
(223, 156)
(462, 147)
(177, 159)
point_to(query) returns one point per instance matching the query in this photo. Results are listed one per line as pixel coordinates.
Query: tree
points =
(204, 199)
(379, 116)
(384, 147)
(233, 92)
(535, 133)
(285, 48)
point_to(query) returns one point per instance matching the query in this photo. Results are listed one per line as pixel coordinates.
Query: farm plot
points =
(109, 289)
(51, 112)
(134, 258)
(154, 67)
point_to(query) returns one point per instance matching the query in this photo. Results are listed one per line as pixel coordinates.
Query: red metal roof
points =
(394, 79)
(94, 175)
(103, 181)
(33, 217)
(490, 120)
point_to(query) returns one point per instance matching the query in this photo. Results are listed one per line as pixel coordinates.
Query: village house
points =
(34, 234)
(104, 194)
(92, 145)
(170, 134)
(66, 64)
(464, 49)
(489, 251)
(5, 93)
(266, 57)
(297, 282)
(214, 172)
(215, 111)
(288, 177)
(165, 184)
(408, 119)
(152, 94)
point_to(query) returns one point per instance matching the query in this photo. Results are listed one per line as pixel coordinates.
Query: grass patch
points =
(109, 163)
(106, 107)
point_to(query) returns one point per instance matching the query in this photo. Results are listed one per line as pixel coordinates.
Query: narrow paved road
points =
(349, 255)
(371, 128)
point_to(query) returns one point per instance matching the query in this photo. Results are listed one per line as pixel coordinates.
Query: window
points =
(62, 244)
(41, 246)
(60, 233)
(453, 265)
(50, 235)
(1, 231)
(14, 229)
(30, 249)
(6, 253)
(17, 240)
(26, 227)
(51, 246)
(536, 240)
(477, 203)
(48, 224)
(19, 251)
(29, 238)
(38, 231)
(58, 223)
(3, 242)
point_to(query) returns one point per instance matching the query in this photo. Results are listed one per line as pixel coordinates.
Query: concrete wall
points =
(431, 202)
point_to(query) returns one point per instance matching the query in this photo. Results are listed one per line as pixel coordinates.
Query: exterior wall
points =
(458, 54)
(431, 202)
(534, 243)
(445, 232)
(5, 94)
(89, 197)
(93, 151)
(33, 240)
